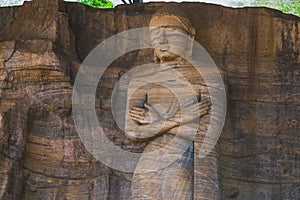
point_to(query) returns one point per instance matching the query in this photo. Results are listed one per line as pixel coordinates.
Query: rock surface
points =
(42, 44)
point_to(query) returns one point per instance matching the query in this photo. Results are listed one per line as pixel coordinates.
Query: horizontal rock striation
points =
(42, 44)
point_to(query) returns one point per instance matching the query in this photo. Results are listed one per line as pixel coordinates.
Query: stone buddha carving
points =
(164, 109)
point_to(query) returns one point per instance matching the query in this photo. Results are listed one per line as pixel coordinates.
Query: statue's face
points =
(169, 38)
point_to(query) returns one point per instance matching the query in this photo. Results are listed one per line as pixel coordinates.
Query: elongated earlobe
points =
(156, 59)
(191, 44)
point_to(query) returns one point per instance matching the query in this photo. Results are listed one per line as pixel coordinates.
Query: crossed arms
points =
(151, 121)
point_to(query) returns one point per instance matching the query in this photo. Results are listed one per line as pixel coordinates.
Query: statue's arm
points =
(150, 124)
(191, 112)
(144, 132)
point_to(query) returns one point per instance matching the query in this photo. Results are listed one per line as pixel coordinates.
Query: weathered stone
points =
(41, 46)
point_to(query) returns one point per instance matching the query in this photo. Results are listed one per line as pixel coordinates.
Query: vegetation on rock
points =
(98, 3)
(287, 6)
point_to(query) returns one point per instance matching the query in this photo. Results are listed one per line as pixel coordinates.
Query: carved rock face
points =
(166, 39)
(40, 43)
(167, 26)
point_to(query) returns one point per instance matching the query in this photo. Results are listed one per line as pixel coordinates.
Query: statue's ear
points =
(193, 32)
(156, 59)
(191, 45)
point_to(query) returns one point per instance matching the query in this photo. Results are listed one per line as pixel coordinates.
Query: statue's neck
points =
(173, 64)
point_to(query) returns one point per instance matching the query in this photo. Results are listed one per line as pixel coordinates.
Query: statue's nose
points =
(163, 39)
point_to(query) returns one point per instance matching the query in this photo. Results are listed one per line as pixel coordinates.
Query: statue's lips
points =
(163, 48)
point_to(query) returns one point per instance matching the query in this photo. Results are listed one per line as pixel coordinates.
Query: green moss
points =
(287, 6)
(292, 7)
(98, 3)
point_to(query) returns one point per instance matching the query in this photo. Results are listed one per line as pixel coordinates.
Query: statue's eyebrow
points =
(157, 28)
(154, 28)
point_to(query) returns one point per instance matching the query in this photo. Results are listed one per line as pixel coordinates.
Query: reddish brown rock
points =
(41, 46)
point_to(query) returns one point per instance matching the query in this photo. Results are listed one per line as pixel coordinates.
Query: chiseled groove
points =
(260, 181)
(62, 178)
(252, 155)
(40, 144)
(6, 156)
(283, 103)
(36, 67)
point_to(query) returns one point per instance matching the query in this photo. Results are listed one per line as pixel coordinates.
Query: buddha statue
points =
(165, 109)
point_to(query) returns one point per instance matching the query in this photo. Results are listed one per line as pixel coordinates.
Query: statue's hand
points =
(204, 107)
(145, 115)
(199, 109)
(191, 112)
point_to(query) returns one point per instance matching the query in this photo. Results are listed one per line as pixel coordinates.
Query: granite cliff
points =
(42, 44)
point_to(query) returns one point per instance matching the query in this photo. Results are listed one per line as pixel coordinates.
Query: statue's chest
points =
(173, 94)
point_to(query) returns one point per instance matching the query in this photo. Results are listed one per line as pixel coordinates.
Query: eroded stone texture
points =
(42, 156)
(41, 46)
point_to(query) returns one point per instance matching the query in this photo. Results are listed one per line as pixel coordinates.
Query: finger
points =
(202, 127)
(135, 115)
(136, 119)
(203, 111)
(148, 106)
(204, 103)
(199, 111)
(197, 108)
(189, 103)
(136, 112)
(205, 99)
(199, 105)
(205, 106)
(137, 109)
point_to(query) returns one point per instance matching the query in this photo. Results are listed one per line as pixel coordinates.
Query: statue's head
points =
(165, 25)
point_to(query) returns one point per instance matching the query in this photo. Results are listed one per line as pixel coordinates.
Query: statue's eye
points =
(155, 42)
(154, 31)
(154, 35)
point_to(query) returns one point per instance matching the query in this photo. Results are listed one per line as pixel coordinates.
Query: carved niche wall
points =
(42, 44)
